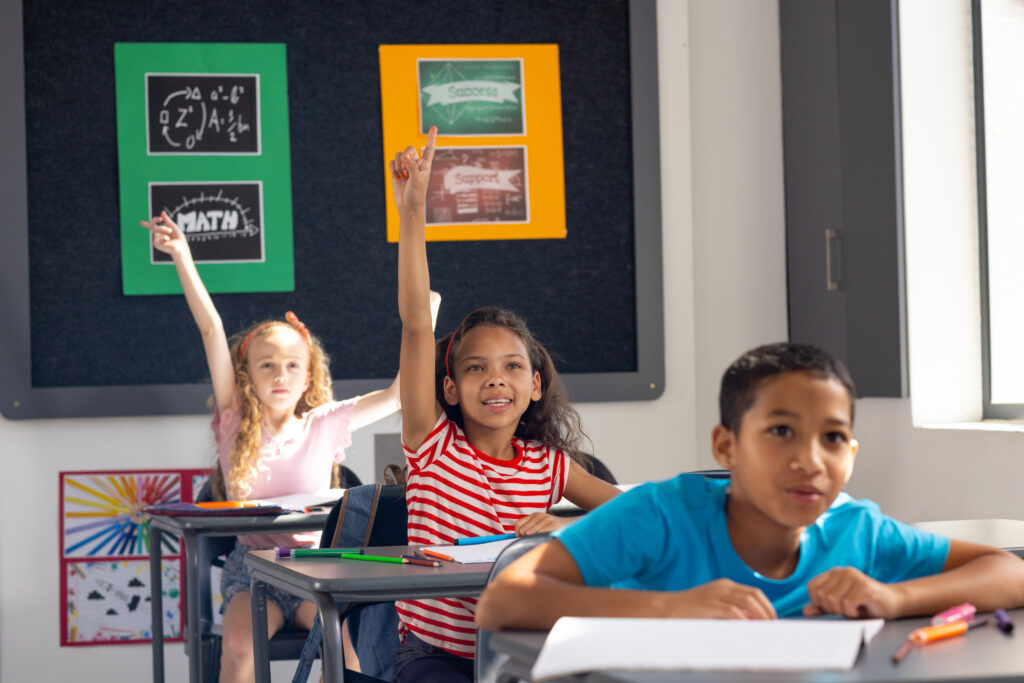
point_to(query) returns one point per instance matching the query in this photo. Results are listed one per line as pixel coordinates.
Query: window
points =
(999, 125)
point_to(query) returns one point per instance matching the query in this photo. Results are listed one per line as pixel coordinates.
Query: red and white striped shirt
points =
(455, 491)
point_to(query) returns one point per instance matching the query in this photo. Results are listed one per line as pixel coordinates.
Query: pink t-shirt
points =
(298, 461)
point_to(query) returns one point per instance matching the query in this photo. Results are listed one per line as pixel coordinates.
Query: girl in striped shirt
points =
(489, 436)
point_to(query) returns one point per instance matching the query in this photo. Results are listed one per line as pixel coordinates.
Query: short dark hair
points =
(742, 379)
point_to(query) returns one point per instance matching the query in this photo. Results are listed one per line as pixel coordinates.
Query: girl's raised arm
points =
(409, 177)
(168, 238)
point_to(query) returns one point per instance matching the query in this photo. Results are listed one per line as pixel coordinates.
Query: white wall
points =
(724, 258)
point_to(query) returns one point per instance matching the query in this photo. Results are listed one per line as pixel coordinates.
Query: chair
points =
(598, 469)
(286, 643)
(487, 662)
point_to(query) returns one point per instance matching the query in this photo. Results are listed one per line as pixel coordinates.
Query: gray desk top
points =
(369, 581)
(985, 654)
(230, 525)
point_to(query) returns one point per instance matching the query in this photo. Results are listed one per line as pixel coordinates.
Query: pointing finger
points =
(428, 151)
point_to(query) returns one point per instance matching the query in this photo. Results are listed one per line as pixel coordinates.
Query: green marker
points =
(374, 558)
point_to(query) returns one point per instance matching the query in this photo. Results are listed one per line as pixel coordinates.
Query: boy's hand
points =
(538, 523)
(410, 174)
(720, 599)
(851, 593)
(167, 237)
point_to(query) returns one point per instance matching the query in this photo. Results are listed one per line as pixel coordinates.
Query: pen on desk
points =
(422, 561)
(434, 553)
(285, 553)
(1003, 621)
(904, 650)
(483, 539)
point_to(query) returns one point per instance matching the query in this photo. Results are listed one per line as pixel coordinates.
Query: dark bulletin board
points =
(73, 345)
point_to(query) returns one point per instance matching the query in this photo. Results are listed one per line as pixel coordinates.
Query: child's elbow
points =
(489, 609)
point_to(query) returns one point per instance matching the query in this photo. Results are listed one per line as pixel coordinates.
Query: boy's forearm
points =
(538, 601)
(989, 582)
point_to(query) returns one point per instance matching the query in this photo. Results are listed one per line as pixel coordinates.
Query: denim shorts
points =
(237, 577)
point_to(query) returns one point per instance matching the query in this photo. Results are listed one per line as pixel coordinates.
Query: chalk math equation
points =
(202, 113)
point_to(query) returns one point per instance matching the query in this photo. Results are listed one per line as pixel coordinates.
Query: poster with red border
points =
(104, 554)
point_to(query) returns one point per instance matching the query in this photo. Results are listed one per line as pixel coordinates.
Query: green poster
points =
(472, 96)
(202, 133)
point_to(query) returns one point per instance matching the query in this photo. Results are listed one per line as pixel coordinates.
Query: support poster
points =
(104, 554)
(498, 168)
(202, 133)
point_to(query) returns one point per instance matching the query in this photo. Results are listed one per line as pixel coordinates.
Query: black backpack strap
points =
(343, 508)
(373, 514)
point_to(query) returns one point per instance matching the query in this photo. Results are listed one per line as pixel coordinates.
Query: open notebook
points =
(577, 644)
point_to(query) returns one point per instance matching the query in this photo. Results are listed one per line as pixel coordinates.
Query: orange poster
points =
(498, 169)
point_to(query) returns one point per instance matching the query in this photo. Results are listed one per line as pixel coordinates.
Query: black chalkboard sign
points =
(195, 113)
(72, 344)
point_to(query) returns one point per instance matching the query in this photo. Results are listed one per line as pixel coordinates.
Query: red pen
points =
(421, 561)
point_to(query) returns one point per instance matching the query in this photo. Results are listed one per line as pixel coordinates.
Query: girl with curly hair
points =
(278, 432)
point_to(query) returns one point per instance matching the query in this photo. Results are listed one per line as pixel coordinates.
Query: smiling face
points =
(494, 381)
(792, 454)
(278, 363)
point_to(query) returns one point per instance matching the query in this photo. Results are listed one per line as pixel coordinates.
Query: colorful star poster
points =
(104, 554)
(498, 169)
(202, 133)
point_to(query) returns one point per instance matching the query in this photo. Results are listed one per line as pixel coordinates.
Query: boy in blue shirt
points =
(778, 539)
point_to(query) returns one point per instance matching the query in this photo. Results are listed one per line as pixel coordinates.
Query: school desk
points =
(1007, 534)
(189, 529)
(327, 581)
(984, 654)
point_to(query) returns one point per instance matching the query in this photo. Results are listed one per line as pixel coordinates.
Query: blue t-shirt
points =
(672, 535)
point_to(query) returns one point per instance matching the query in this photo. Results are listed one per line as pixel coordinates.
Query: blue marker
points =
(483, 539)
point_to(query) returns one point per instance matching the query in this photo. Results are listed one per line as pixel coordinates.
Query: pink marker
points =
(964, 612)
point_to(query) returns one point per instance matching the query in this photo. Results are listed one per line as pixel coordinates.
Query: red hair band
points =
(291, 319)
(447, 352)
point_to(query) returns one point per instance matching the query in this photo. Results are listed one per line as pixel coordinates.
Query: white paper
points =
(576, 645)
(301, 501)
(473, 553)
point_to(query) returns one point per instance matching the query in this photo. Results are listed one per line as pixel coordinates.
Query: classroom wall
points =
(723, 237)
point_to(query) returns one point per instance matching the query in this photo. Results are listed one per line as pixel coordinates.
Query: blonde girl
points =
(278, 431)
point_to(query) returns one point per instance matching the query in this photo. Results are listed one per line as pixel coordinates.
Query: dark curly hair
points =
(742, 379)
(551, 420)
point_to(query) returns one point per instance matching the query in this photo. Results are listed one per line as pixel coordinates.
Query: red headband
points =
(291, 319)
(448, 351)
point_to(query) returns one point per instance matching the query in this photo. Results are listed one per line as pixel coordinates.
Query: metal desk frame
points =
(189, 529)
(327, 581)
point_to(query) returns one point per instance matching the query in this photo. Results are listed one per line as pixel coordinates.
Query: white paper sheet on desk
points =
(577, 644)
(301, 501)
(474, 553)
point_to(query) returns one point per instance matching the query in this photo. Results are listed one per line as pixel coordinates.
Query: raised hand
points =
(720, 599)
(167, 237)
(850, 593)
(410, 174)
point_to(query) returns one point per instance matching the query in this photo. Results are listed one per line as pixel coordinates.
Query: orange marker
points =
(434, 553)
(932, 633)
(226, 504)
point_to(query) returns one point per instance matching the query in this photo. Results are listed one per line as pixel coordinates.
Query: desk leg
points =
(260, 649)
(193, 635)
(156, 603)
(334, 656)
